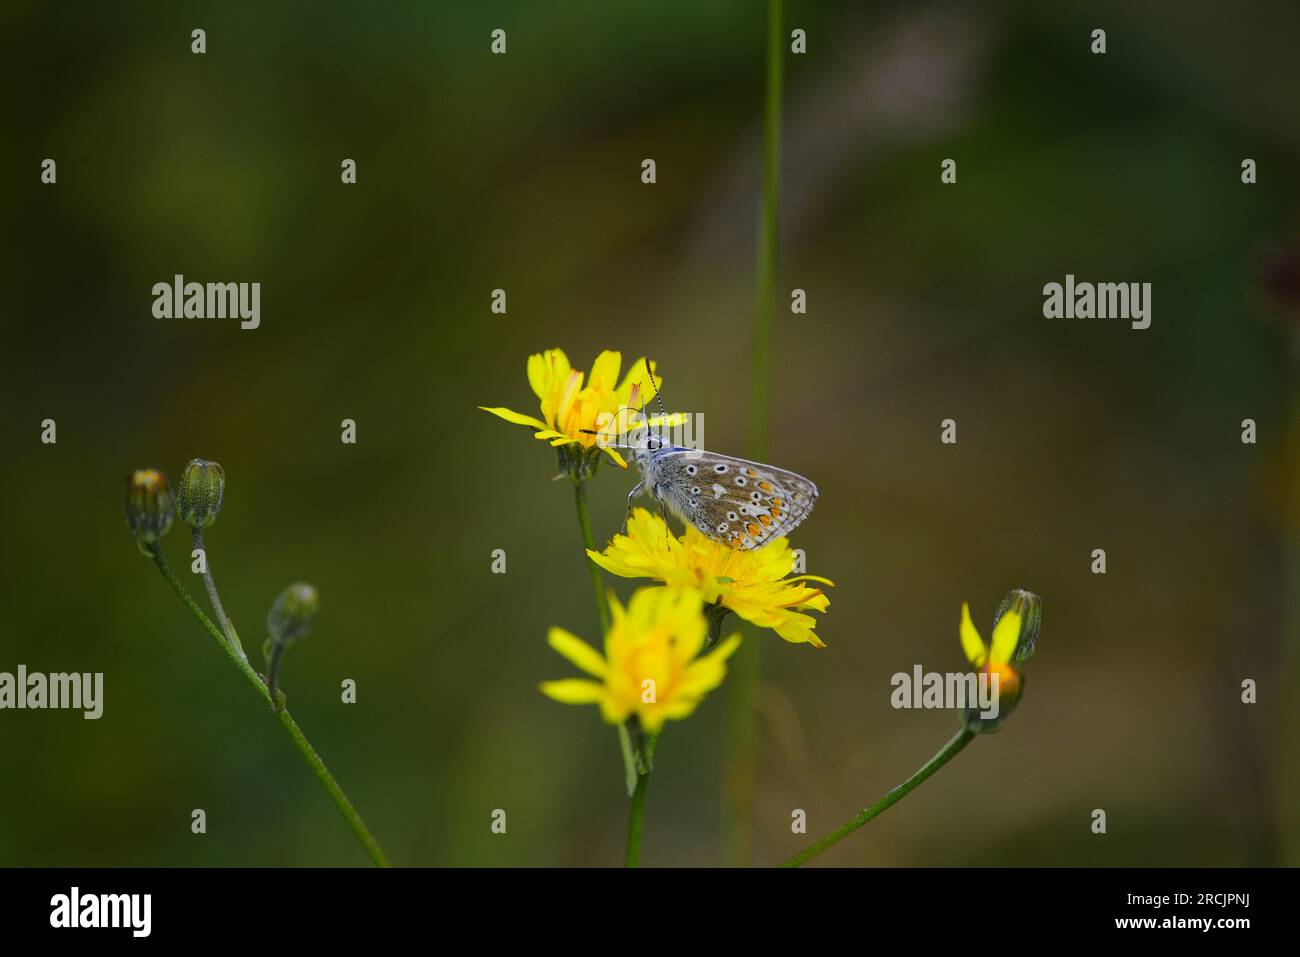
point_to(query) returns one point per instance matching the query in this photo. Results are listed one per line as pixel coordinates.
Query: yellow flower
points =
(652, 667)
(1016, 628)
(753, 584)
(570, 409)
(994, 658)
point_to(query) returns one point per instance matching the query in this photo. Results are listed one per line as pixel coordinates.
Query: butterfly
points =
(742, 503)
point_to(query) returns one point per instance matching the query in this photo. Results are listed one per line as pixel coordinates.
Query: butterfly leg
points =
(640, 487)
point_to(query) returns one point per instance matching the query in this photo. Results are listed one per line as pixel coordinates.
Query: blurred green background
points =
(522, 171)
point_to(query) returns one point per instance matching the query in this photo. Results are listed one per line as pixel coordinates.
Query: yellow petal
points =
(577, 651)
(618, 459)
(573, 691)
(636, 377)
(678, 708)
(545, 368)
(1005, 636)
(706, 672)
(518, 418)
(567, 397)
(971, 642)
(810, 578)
(799, 628)
(537, 374)
(652, 718)
(612, 565)
(604, 371)
(728, 647)
(613, 710)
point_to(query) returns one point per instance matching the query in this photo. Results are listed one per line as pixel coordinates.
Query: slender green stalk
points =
(602, 612)
(273, 668)
(331, 786)
(941, 757)
(584, 523)
(1288, 765)
(740, 769)
(227, 626)
(218, 636)
(741, 763)
(760, 380)
(290, 726)
(636, 810)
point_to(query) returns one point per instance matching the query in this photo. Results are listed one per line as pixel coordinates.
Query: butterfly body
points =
(745, 504)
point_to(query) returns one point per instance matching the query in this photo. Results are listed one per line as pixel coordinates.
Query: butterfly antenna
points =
(658, 398)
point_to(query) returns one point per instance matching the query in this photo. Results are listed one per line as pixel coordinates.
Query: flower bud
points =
(1030, 609)
(292, 614)
(1009, 682)
(198, 498)
(148, 507)
(577, 461)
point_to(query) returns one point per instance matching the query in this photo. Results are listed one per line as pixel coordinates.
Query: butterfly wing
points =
(745, 504)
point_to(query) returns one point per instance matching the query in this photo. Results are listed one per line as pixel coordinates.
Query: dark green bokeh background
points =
(522, 172)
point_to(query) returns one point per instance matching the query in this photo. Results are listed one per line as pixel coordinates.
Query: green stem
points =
(942, 757)
(636, 810)
(273, 669)
(584, 523)
(331, 786)
(218, 636)
(290, 726)
(602, 612)
(742, 734)
(1288, 770)
(760, 383)
(227, 626)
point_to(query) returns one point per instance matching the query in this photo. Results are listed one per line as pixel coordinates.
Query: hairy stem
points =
(741, 746)
(1288, 765)
(602, 612)
(584, 524)
(636, 810)
(290, 726)
(227, 626)
(941, 757)
(273, 669)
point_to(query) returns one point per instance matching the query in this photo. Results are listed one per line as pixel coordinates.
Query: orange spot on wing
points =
(754, 530)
